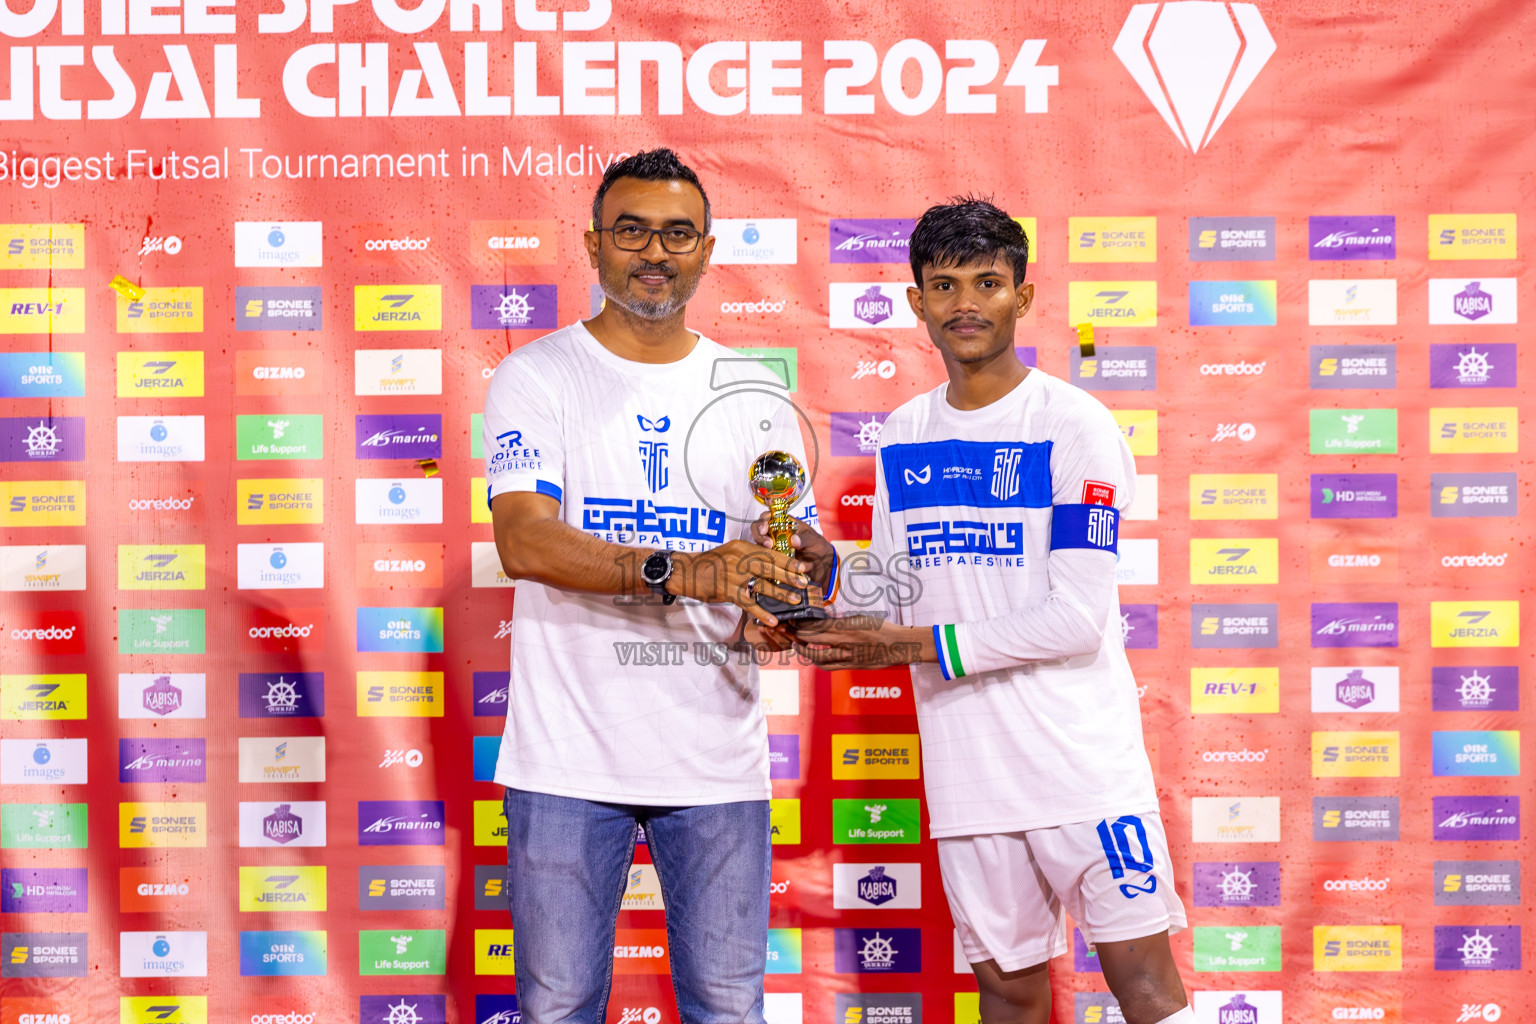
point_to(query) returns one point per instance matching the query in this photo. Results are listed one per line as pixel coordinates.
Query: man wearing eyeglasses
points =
(630, 536)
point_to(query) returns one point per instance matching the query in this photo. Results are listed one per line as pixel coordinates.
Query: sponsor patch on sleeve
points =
(1085, 526)
(1096, 492)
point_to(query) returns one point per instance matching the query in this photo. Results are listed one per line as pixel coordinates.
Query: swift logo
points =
(1194, 61)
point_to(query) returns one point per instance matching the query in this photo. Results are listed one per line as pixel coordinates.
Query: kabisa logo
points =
(282, 826)
(1217, 50)
(872, 307)
(860, 305)
(1472, 303)
(1488, 300)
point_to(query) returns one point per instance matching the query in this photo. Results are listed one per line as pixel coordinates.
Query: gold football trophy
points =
(778, 481)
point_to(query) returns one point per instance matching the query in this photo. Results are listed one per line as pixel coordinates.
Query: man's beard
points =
(615, 285)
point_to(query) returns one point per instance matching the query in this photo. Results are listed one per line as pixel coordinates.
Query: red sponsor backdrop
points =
(858, 113)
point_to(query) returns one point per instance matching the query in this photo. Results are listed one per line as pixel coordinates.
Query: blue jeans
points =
(568, 862)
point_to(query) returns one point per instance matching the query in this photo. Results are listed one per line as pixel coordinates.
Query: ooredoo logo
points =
(182, 503)
(387, 243)
(1484, 560)
(46, 632)
(1238, 369)
(283, 630)
(760, 306)
(1217, 50)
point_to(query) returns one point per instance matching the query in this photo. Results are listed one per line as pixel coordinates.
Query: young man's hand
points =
(736, 572)
(863, 641)
(809, 545)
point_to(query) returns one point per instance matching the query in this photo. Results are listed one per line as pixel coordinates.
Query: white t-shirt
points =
(998, 527)
(608, 698)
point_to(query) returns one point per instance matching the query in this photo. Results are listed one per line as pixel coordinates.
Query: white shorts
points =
(1007, 891)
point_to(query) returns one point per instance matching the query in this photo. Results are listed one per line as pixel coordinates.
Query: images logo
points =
(280, 566)
(34, 762)
(1112, 239)
(1194, 61)
(163, 954)
(397, 500)
(1231, 239)
(289, 244)
(160, 439)
(760, 240)
(1474, 623)
(875, 756)
(1113, 303)
(397, 307)
(1350, 818)
(1471, 236)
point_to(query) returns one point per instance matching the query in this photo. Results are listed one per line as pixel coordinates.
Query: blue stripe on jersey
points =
(545, 487)
(1085, 526)
(971, 474)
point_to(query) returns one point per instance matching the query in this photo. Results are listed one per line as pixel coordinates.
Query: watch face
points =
(655, 568)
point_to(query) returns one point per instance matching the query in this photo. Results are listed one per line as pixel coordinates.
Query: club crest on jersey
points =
(1005, 473)
(653, 458)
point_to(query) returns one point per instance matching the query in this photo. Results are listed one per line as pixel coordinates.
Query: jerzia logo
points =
(1216, 49)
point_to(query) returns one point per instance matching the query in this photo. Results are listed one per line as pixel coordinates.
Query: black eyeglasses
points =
(637, 238)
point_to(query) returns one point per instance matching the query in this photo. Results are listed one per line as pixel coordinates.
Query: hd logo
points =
(1234, 561)
(161, 567)
(399, 307)
(161, 311)
(160, 375)
(1113, 303)
(42, 698)
(875, 756)
(1474, 623)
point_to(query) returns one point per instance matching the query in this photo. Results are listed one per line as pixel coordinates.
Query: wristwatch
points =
(655, 571)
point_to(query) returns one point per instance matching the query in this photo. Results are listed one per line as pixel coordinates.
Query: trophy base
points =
(793, 613)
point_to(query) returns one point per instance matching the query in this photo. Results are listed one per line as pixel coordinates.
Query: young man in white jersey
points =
(997, 502)
(619, 500)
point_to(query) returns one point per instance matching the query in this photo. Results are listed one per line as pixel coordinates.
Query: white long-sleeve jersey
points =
(1000, 526)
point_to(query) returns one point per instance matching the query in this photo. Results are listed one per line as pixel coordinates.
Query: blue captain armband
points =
(1085, 526)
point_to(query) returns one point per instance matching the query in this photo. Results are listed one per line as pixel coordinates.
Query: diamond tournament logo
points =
(1194, 61)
